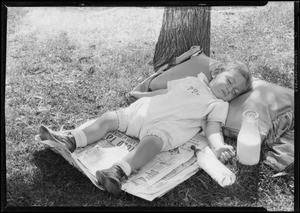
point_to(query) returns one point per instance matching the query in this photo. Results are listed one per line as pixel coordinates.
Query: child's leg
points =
(147, 149)
(88, 135)
(105, 123)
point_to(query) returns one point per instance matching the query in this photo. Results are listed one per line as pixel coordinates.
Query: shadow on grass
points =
(56, 182)
(51, 183)
(202, 191)
(247, 183)
(60, 184)
(54, 169)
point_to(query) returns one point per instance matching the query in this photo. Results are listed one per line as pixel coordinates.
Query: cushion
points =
(278, 147)
(191, 67)
(268, 99)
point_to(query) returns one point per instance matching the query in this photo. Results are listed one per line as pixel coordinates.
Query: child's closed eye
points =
(235, 92)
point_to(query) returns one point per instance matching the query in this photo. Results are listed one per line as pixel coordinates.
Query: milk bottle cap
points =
(250, 115)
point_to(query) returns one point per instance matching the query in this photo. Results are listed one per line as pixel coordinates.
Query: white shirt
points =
(175, 116)
(188, 102)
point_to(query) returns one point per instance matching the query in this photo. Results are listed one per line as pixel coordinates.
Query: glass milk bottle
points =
(248, 140)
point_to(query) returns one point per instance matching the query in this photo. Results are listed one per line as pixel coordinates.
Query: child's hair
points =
(243, 70)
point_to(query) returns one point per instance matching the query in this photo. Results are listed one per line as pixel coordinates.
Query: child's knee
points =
(154, 142)
(109, 120)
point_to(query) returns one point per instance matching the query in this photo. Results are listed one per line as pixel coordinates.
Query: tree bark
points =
(182, 28)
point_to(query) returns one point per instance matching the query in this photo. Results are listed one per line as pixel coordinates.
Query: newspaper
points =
(167, 170)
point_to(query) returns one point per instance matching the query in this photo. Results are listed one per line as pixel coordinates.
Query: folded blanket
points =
(278, 147)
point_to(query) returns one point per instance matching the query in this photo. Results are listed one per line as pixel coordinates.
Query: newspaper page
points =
(61, 149)
(156, 169)
(178, 175)
(164, 172)
(169, 164)
(165, 185)
(169, 181)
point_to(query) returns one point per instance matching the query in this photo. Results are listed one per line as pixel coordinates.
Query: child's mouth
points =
(223, 93)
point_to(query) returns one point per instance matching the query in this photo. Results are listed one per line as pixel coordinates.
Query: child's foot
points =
(111, 179)
(67, 139)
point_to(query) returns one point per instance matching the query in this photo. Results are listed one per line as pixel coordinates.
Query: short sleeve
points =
(203, 77)
(219, 112)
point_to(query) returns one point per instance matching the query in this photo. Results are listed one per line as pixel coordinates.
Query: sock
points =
(80, 138)
(125, 167)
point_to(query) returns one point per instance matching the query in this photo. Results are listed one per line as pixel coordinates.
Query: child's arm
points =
(215, 139)
(138, 95)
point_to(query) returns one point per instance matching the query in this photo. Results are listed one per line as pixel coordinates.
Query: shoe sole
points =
(108, 183)
(44, 131)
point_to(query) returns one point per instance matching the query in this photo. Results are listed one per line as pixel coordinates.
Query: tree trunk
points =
(182, 28)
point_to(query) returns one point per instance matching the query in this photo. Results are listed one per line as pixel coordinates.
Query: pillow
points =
(268, 99)
(192, 67)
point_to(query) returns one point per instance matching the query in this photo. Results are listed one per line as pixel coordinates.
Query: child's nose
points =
(229, 89)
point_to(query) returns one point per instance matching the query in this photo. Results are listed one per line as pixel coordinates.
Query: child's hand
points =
(224, 152)
(137, 94)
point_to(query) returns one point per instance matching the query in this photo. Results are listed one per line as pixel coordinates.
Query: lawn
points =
(67, 65)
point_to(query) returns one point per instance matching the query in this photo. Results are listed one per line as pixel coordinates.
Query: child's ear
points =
(217, 70)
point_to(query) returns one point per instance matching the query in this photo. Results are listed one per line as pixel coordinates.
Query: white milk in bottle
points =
(249, 140)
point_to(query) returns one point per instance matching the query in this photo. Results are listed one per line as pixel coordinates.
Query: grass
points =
(65, 66)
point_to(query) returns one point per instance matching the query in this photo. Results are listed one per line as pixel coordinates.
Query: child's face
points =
(228, 85)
